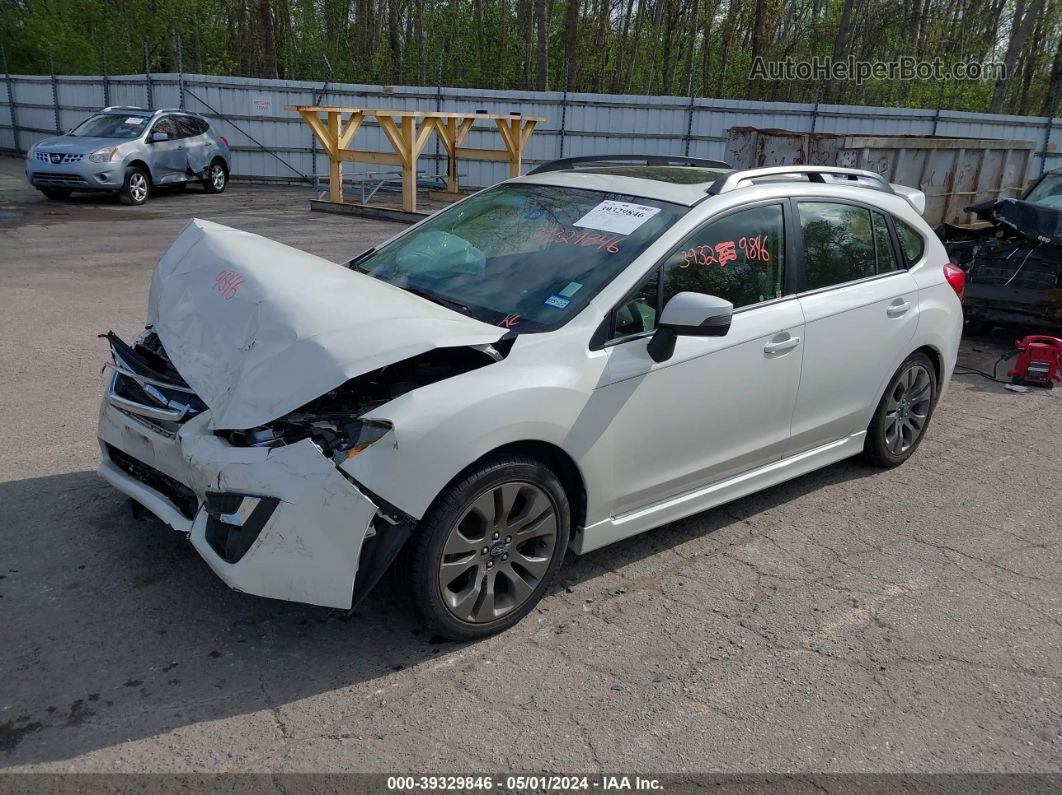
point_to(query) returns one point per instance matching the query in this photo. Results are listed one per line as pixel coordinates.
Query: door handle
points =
(782, 345)
(895, 310)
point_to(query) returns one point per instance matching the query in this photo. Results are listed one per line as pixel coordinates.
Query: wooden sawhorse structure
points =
(408, 133)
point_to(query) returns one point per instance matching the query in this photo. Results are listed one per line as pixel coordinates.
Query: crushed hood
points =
(1031, 220)
(258, 328)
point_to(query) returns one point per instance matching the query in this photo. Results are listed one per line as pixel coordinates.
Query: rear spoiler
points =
(914, 197)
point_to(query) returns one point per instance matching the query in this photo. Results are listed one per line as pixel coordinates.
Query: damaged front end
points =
(269, 508)
(1013, 264)
(232, 417)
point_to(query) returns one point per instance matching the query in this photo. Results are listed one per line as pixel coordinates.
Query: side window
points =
(165, 125)
(838, 243)
(187, 126)
(913, 244)
(887, 259)
(638, 313)
(739, 257)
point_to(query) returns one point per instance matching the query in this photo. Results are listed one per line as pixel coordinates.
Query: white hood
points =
(258, 328)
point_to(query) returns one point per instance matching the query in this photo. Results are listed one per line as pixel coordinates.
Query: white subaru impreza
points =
(555, 363)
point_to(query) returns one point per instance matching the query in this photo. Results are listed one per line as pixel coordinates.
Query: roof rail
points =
(122, 107)
(814, 174)
(570, 163)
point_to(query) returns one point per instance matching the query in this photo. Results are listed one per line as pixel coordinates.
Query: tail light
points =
(956, 277)
(224, 140)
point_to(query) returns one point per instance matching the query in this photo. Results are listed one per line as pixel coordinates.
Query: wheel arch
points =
(138, 163)
(556, 458)
(936, 358)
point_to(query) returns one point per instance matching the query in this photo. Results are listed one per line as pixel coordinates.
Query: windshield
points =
(111, 125)
(1047, 192)
(526, 257)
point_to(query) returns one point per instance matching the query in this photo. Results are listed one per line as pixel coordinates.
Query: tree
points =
(1025, 19)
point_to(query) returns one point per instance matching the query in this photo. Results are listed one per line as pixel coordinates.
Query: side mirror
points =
(159, 136)
(691, 315)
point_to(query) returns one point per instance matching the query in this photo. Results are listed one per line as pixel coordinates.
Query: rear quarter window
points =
(912, 243)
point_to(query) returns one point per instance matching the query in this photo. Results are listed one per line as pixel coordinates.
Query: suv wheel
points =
(136, 187)
(488, 548)
(903, 414)
(55, 193)
(216, 179)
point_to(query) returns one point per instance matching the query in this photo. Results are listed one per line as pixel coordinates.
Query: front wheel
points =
(903, 413)
(488, 548)
(135, 188)
(216, 178)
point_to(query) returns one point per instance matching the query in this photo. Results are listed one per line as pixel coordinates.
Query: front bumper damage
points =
(276, 522)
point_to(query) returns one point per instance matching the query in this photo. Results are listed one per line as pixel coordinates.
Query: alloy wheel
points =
(217, 177)
(907, 409)
(498, 552)
(138, 187)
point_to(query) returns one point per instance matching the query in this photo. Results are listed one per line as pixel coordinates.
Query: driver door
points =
(167, 157)
(720, 405)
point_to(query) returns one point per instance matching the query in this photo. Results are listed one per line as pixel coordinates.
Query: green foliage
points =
(615, 46)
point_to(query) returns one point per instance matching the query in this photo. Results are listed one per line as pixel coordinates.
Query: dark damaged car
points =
(1014, 264)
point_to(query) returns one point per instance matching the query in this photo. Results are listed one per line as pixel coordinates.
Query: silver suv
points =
(129, 151)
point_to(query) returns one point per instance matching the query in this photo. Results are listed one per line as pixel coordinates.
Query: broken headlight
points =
(340, 439)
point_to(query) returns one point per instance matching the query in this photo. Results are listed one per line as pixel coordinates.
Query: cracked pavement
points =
(851, 620)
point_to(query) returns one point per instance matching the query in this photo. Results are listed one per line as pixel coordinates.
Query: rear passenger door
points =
(860, 307)
(195, 145)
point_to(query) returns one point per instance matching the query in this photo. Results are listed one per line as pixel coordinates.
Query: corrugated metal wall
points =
(275, 143)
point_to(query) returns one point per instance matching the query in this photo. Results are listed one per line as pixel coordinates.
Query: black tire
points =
(423, 558)
(136, 187)
(55, 194)
(887, 444)
(217, 177)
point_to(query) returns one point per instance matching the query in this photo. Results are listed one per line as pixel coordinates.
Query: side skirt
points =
(672, 509)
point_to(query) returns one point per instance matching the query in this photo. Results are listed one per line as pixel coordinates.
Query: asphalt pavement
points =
(851, 620)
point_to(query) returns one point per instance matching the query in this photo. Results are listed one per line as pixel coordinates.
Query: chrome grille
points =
(55, 158)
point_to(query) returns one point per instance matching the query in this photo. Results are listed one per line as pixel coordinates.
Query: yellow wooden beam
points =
(335, 165)
(319, 131)
(361, 156)
(482, 154)
(394, 135)
(351, 129)
(409, 168)
(525, 136)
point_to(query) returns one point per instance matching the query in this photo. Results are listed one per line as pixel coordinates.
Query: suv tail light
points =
(224, 140)
(956, 277)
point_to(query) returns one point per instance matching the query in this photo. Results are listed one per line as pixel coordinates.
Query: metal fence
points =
(270, 143)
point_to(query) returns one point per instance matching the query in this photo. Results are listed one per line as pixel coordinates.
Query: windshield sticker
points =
(620, 217)
(571, 289)
(556, 234)
(509, 320)
(134, 121)
(753, 249)
(557, 302)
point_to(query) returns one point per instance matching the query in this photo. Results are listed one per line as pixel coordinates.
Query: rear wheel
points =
(136, 187)
(903, 414)
(487, 550)
(216, 179)
(55, 193)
